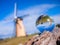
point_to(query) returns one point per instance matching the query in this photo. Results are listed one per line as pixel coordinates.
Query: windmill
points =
(20, 30)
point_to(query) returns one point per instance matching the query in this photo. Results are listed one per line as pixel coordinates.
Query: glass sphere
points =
(45, 23)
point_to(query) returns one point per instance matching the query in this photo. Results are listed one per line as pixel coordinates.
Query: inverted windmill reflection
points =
(44, 22)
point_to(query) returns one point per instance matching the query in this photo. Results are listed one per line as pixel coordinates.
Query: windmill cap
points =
(20, 18)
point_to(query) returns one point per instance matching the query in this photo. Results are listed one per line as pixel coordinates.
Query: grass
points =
(15, 41)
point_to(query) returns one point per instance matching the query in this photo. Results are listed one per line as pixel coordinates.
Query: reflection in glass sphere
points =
(45, 23)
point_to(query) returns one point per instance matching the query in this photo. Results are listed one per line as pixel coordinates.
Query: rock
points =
(58, 41)
(20, 44)
(46, 38)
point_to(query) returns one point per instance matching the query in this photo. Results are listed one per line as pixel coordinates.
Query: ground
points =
(15, 41)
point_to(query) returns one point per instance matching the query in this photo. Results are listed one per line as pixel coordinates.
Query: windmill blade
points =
(24, 16)
(12, 18)
(15, 11)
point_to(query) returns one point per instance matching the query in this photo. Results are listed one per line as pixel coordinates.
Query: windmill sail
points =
(15, 11)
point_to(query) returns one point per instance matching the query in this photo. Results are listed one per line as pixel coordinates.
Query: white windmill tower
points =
(20, 30)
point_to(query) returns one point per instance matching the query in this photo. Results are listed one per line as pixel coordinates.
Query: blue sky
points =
(34, 8)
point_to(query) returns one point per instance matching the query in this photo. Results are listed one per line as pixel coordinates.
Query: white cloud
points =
(7, 30)
(34, 13)
(39, 9)
(34, 10)
(7, 26)
(56, 18)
